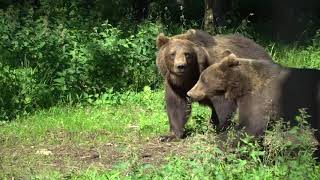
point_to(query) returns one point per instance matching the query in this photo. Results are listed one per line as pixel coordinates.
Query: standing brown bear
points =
(263, 91)
(182, 58)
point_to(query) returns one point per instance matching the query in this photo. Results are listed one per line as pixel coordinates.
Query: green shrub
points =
(125, 62)
(20, 93)
(71, 60)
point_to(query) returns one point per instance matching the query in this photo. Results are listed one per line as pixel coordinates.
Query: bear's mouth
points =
(219, 92)
(179, 73)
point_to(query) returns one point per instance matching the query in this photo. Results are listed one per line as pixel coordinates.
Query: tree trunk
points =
(209, 24)
(215, 13)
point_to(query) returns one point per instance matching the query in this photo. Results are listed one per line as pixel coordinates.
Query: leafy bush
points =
(18, 93)
(126, 61)
(70, 61)
(62, 51)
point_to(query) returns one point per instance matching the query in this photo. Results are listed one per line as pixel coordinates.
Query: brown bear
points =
(182, 58)
(263, 91)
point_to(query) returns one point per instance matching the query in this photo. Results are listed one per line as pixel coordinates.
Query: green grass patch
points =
(297, 57)
(117, 139)
(62, 138)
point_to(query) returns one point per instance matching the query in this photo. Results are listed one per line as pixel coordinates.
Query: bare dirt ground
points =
(66, 156)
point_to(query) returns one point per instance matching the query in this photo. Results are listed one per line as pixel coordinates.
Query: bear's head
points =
(180, 59)
(223, 78)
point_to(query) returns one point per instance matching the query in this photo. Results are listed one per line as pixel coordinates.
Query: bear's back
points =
(241, 46)
(300, 88)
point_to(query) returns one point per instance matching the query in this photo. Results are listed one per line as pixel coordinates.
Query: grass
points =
(109, 141)
(117, 139)
(66, 131)
(297, 57)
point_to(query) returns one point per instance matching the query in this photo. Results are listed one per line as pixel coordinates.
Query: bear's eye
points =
(204, 80)
(172, 55)
(187, 55)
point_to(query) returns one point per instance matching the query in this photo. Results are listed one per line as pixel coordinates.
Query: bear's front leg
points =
(223, 112)
(178, 110)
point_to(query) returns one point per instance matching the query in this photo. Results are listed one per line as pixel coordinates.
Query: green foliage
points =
(126, 62)
(17, 93)
(298, 57)
(284, 143)
(306, 56)
(64, 51)
(66, 58)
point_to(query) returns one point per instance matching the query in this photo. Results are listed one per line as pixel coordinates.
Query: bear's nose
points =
(181, 66)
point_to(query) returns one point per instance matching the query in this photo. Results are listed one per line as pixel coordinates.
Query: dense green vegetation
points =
(44, 61)
(81, 98)
(75, 51)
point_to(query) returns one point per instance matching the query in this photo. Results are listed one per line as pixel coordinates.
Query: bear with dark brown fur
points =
(183, 57)
(263, 91)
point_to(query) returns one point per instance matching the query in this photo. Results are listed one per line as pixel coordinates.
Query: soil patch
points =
(155, 152)
(67, 156)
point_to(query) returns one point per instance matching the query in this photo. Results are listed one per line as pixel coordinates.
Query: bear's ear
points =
(162, 40)
(228, 54)
(189, 35)
(229, 62)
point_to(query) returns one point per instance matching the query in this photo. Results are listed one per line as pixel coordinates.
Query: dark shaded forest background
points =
(58, 51)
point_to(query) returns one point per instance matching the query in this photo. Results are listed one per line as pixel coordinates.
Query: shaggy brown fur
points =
(183, 57)
(263, 91)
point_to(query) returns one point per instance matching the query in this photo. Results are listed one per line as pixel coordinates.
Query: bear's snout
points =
(195, 94)
(189, 93)
(180, 67)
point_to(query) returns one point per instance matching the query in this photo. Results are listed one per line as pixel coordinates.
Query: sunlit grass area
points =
(117, 139)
